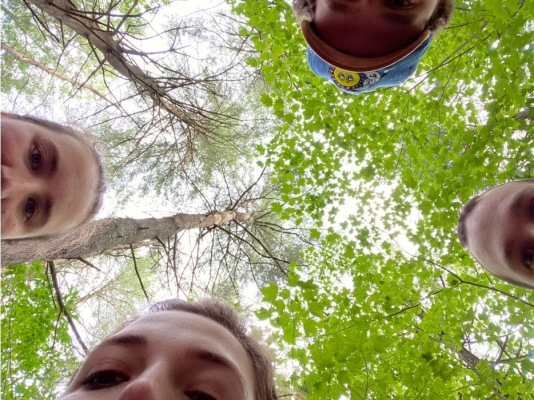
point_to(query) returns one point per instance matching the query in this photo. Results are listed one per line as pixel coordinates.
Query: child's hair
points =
(305, 9)
(226, 316)
(84, 138)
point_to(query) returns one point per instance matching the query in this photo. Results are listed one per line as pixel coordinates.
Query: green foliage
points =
(382, 328)
(36, 347)
(399, 163)
(423, 136)
(375, 173)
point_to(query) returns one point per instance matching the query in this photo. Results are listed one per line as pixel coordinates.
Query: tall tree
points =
(98, 236)
(375, 174)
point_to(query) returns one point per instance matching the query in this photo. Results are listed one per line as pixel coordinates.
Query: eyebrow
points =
(403, 19)
(509, 250)
(515, 209)
(53, 155)
(516, 203)
(217, 359)
(126, 341)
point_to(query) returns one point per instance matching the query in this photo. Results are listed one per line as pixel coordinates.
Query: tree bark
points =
(98, 236)
(527, 113)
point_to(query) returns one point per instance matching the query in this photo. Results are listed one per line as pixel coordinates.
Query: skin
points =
(380, 26)
(500, 231)
(182, 356)
(49, 180)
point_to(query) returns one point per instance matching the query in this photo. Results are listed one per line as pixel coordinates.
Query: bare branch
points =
(137, 273)
(62, 307)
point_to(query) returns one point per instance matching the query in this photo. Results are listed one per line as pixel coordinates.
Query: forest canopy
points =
(236, 173)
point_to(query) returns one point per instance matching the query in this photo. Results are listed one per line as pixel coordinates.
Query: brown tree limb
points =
(98, 236)
(21, 57)
(138, 275)
(62, 307)
(526, 114)
(90, 264)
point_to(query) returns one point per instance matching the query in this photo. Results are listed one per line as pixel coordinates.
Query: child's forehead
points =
(173, 324)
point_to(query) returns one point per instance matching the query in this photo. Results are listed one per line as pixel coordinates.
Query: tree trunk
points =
(116, 55)
(101, 235)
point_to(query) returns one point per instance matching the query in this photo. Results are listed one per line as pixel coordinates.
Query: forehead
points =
(495, 220)
(500, 199)
(179, 323)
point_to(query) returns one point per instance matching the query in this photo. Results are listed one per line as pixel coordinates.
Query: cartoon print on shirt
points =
(355, 81)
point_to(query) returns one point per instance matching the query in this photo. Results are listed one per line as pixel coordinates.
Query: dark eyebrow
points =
(214, 358)
(54, 159)
(515, 204)
(44, 214)
(404, 19)
(508, 251)
(126, 341)
(52, 154)
(47, 211)
(516, 210)
(336, 6)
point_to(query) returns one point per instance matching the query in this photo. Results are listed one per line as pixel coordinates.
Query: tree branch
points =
(62, 307)
(137, 273)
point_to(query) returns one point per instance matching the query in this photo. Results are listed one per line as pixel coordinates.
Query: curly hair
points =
(305, 9)
(441, 17)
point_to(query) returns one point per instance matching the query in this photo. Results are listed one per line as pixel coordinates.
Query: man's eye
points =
(528, 258)
(398, 3)
(30, 209)
(199, 396)
(36, 158)
(103, 379)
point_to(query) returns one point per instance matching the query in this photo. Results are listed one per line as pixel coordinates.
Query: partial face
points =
(168, 355)
(371, 28)
(500, 231)
(49, 180)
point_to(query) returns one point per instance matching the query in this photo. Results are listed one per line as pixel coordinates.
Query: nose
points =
(16, 181)
(154, 383)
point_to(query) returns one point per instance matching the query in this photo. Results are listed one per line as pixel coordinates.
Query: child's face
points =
(371, 28)
(49, 180)
(168, 355)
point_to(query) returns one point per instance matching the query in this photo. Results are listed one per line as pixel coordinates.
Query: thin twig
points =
(88, 263)
(62, 307)
(137, 273)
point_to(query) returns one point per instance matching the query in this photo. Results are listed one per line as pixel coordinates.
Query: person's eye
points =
(399, 3)
(103, 379)
(197, 395)
(30, 209)
(36, 158)
(528, 257)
